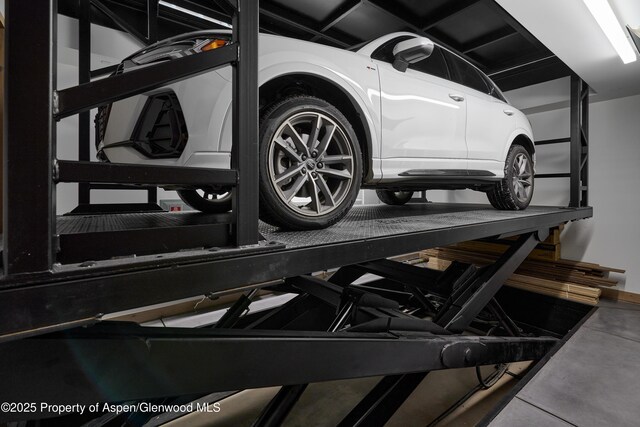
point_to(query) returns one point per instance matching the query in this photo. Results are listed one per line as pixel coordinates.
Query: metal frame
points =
(85, 74)
(579, 145)
(30, 242)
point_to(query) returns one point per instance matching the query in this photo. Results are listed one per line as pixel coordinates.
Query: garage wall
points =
(612, 237)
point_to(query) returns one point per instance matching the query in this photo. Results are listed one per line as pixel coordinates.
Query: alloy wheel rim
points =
(310, 164)
(214, 197)
(522, 180)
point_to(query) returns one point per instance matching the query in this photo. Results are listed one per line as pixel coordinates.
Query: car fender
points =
(515, 134)
(365, 95)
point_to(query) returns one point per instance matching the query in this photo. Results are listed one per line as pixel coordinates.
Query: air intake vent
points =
(161, 131)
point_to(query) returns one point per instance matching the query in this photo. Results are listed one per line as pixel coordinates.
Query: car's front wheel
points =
(515, 190)
(395, 198)
(310, 164)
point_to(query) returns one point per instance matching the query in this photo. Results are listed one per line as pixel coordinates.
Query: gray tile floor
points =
(593, 380)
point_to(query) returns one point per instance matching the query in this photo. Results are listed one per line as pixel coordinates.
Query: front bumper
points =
(160, 131)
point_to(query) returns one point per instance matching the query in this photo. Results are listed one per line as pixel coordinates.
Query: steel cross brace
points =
(116, 362)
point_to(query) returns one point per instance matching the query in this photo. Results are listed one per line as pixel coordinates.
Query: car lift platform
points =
(82, 292)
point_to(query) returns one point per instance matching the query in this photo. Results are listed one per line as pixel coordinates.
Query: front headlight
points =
(178, 49)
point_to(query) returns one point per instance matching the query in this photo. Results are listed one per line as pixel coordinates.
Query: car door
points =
(423, 120)
(490, 120)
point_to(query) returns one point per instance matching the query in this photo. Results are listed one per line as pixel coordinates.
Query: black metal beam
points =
(90, 95)
(205, 9)
(489, 40)
(467, 305)
(84, 76)
(553, 175)
(170, 362)
(449, 10)
(301, 23)
(92, 246)
(116, 173)
(510, 20)
(124, 25)
(339, 14)
(244, 151)
(153, 10)
(30, 140)
(529, 73)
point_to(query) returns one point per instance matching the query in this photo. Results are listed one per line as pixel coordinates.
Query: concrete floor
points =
(593, 380)
(326, 404)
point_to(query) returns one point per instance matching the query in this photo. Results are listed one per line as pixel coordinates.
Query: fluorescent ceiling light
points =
(192, 13)
(602, 12)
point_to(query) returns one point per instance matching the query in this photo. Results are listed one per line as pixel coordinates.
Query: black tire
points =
(292, 170)
(394, 198)
(515, 190)
(208, 202)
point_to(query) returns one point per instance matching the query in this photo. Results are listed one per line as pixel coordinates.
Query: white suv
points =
(398, 115)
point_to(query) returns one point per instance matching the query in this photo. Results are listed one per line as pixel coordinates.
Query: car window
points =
(467, 74)
(434, 64)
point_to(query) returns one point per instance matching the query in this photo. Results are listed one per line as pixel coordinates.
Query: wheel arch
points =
(526, 142)
(285, 85)
(519, 137)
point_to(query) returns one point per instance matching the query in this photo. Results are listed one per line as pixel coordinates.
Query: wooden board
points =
(541, 252)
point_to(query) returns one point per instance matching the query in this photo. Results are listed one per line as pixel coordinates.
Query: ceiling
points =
(480, 30)
(572, 34)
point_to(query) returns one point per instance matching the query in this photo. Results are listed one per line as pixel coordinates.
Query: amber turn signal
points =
(214, 44)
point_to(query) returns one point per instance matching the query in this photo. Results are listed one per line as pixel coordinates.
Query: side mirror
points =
(411, 51)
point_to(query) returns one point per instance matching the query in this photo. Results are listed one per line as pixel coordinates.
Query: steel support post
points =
(84, 76)
(244, 155)
(29, 147)
(579, 157)
(152, 20)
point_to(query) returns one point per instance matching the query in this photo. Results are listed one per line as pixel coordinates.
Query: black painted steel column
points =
(84, 76)
(29, 193)
(244, 156)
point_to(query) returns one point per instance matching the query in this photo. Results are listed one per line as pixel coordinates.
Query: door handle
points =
(509, 112)
(456, 98)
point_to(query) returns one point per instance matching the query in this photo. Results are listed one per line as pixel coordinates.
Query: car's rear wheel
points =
(208, 201)
(310, 164)
(515, 190)
(395, 198)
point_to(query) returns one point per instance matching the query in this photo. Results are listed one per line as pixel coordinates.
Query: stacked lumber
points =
(549, 250)
(566, 279)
